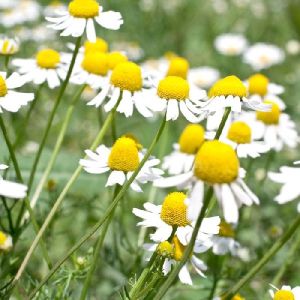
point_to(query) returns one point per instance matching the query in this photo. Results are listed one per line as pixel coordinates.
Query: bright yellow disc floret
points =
(84, 8)
(95, 63)
(269, 117)
(284, 295)
(226, 230)
(236, 297)
(216, 162)
(124, 155)
(174, 210)
(178, 248)
(239, 132)
(3, 238)
(178, 66)
(191, 138)
(48, 59)
(230, 85)
(99, 46)
(258, 84)
(116, 58)
(127, 76)
(173, 87)
(165, 249)
(3, 87)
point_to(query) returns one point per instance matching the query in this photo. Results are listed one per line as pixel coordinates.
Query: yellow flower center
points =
(239, 132)
(269, 117)
(178, 248)
(95, 63)
(258, 84)
(216, 162)
(178, 67)
(174, 210)
(173, 87)
(116, 58)
(226, 230)
(284, 295)
(84, 8)
(48, 59)
(191, 139)
(236, 297)
(3, 87)
(134, 138)
(99, 46)
(230, 85)
(127, 76)
(165, 249)
(3, 238)
(124, 155)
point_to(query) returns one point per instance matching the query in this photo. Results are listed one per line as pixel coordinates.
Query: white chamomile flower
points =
(4, 4)
(262, 56)
(80, 17)
(231, 44)
(11, 189)
(48, 66)
(288, 177)
(203, 77)
(5, 241)
(217, 164)
(11, 100)
(53, 7)
(293, 47)
(9, 46)
(121, 161)
(285, 293)
(182, 158)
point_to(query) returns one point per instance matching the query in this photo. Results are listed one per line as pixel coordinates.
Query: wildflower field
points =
(150, 149)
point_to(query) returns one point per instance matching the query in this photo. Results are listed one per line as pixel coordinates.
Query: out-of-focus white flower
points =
(9, 46)
(262, 56)
(5, 241)
(51, 9)
(203, 77)
(231, 44)
(4, 4)
(285, 293)
(132, 49)
(293, 47)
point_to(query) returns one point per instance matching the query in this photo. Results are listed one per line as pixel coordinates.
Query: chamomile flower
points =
(182, 158)
(289, 178)
(231, 44)
(262, 56)
(11, 100)
(5, 241)
(216, 164)
(80, 17)
(8, 46)
(121, 161)
(8, 4)
(203, 77)
(48, 66)
(11, 189)
(285, 293)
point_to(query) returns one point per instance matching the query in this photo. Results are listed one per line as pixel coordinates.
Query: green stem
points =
(6, 63)
(264, 260)
(99, 223)
(9, 217)
(52, 115)
(223, 122)
(189, 249)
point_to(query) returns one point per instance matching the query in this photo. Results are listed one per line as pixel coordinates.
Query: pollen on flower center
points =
(116, 58)
(3, 238)
(178, 248)
(127, 76)
(84, 8)
(284, 295)
(191, 139)
(216, 162)
(48, 59)
(258, 84)
(174, 210)
(226, 230)
(269, 117)
(236, 297)
(99, 46)
(179, 66)
(173, 87)
(3, 87)
(124, 155)
(230, 85)
(239, 132)
(95, 63)
(165, 249)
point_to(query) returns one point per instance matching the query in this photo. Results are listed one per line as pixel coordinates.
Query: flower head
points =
(179, 67)
(191, 138)
(115, 58)
(8, 46)
(240, 132)
(100, 45)
(269, 117)
(48, 59)
(258, 84)
(5, 241)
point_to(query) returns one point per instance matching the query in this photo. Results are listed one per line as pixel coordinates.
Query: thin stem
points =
(52, 115)
(264, 260)
(100, 222)
(223, 122)
(9, 217)
(6, 63)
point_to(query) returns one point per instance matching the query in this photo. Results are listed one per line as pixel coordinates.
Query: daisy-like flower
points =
(231, 44)
(48, 66)
(262, 56)
(80, 17)
(11, 100)
(8, 46)
(216, 164)
(285, 293)
(5, 241)
(182, 158)
(11, 189)
(203, 77)
(288, 177)
(121, 161)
